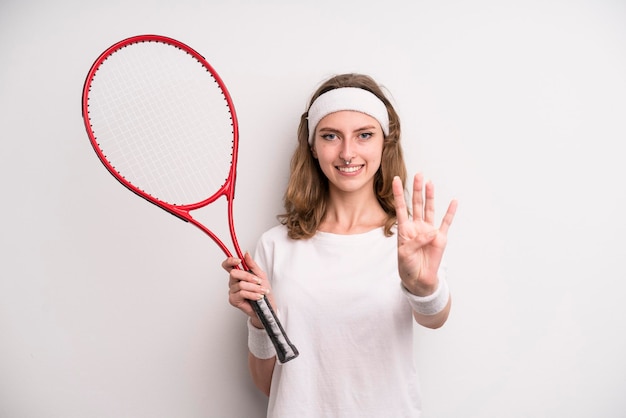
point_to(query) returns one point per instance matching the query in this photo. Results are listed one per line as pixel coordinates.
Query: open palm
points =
(420, 244)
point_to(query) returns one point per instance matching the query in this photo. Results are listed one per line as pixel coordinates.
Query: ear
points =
(313, 152)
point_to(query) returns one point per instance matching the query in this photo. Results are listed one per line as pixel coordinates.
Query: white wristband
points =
(431, 304)
(259, 343)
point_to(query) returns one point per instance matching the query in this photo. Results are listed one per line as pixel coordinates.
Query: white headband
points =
(347, 98)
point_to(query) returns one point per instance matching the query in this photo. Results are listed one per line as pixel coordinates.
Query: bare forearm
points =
(261, 372)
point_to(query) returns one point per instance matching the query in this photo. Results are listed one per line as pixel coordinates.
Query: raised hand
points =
(420, 244)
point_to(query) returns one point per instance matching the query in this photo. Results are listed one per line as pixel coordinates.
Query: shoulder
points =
(273, 236)
(271, 242)
(276, 232)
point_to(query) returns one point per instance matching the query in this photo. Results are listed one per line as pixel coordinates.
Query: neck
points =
(351, 214)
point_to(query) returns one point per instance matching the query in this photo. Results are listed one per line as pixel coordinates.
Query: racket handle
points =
(285, 350)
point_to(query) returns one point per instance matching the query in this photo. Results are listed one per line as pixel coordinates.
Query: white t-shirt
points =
(340, 301)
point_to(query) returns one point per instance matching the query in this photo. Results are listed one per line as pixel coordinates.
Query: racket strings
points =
(162, 122)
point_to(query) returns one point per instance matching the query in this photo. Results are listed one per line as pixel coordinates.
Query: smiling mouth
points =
(350, 169)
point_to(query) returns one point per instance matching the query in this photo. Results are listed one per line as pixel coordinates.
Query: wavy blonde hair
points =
(306, 197)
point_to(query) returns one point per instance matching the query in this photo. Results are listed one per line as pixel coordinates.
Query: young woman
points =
(349, 268)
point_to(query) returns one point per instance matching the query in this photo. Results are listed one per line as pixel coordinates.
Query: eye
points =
(329, 137)
(365, 135)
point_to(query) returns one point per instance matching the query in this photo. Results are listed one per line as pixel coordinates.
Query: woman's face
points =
(349, 136)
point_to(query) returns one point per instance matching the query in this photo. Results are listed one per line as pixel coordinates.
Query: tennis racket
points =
(163, 124)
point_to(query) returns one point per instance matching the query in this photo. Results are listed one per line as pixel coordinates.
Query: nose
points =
(346, 152)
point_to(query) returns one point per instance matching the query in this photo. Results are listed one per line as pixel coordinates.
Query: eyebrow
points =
(331, 129)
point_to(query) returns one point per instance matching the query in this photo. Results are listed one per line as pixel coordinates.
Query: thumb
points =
(250, 265)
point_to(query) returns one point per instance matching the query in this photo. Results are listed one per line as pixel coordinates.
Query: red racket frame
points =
(227, 190)
(181, 211)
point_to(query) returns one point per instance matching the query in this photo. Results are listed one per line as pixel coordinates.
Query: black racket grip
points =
(285, 350)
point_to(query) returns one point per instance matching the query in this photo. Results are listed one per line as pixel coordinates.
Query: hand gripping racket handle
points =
(285, 350)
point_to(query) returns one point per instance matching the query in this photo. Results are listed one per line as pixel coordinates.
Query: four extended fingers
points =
(423, 201)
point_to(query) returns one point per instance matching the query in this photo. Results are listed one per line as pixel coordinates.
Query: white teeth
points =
(349, 169)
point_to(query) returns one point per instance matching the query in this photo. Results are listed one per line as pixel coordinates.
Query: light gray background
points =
(110, 307)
